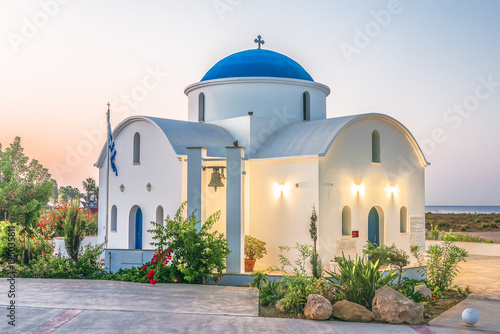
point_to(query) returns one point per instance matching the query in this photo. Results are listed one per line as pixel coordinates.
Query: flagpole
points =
(107, 178)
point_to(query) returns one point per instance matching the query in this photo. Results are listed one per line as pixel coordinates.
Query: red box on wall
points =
(355, 234)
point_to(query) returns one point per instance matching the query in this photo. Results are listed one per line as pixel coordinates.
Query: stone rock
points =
(392, 307)
(424, 290)
(317, 308)
(246, 285)
(349, 311)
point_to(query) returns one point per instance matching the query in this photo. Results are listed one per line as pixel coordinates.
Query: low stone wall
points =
(116, 259)
(60, 248)
(474, 248)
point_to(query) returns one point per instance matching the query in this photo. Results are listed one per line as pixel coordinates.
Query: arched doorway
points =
(138, 229)
(135, 228)
(374, 226)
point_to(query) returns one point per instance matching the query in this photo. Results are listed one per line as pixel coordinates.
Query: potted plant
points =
(254, 249)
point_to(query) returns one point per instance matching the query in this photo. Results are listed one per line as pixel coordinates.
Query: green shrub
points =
(443, 223)
(434, 233)
(297, 286)
(409, 292)
(271, 293)
(88, 265)
(196, 252)
(463, 229)
(298, 289)
(260, 279)
(358, 279)
(442, 263)
(497, 220)
(453, 237)
(74, 230)
(385, 255)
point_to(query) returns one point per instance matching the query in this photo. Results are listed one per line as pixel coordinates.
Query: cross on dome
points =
(259, 41)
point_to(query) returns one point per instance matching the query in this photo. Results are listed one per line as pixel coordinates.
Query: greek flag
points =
(112, 151)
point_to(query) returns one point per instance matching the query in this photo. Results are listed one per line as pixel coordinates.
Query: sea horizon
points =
(462, 208)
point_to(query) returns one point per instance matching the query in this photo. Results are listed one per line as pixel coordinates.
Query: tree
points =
(25, 186)
(386, 255)
(317, 267)
(91, 190)
(69, 194)
(55, 199)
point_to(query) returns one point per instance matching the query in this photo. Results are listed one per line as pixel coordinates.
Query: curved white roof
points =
(314, 138)
(182, 134)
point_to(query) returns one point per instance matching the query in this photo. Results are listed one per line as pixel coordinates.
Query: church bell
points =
(215, 180)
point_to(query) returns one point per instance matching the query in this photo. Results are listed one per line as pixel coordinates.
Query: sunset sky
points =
(432, 65)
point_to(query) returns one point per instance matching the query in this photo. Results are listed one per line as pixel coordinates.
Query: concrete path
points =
(81, 306)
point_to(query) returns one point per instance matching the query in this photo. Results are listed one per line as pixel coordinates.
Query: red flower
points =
(151, 273)
(153, 281)
(43, 253)
(144, 268)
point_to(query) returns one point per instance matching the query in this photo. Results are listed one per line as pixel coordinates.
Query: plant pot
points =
(249, 264)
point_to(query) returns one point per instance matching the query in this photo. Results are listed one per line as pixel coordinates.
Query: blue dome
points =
(257, 63)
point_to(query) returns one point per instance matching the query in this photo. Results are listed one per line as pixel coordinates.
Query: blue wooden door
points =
(138, 229)
(373, 227)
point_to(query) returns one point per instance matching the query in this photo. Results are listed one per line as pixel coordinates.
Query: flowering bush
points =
(29, 244)
(195, 252)
(52, 220)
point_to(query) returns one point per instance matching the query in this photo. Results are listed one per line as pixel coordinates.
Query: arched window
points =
(403, 220)
(201, 107)
(113, 218)
(376, 146)
(159, 215)
(346, 221)
(306, 106)
(137, 148)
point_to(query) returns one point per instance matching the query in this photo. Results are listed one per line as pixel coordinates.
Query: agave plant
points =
(358, 279)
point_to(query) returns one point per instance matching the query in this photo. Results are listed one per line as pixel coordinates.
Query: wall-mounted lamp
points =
(391, 190)
(358, 189)
(122, 187)
(281, 188)
(216, 178)
(148, 186)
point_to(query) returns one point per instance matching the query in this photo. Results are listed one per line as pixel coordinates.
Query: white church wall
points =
(158, 166)
(349, 163)
(265, 97)
(280, 216)
(253, 131)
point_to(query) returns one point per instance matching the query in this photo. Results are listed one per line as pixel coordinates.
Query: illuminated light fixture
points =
(281, 189)
(122, 187)
(148, 186)
(358, 189)
(391, 190)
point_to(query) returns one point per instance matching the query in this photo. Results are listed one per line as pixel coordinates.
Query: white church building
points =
(257, 128)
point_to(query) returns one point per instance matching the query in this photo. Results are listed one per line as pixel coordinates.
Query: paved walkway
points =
(81, 306)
